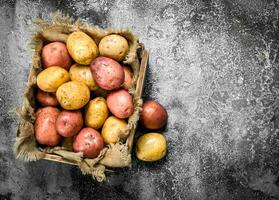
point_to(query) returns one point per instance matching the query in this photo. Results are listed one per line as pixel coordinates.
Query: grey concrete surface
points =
(213, 65)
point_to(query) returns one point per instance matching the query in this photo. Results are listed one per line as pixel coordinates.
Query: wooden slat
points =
(139, 90)
(142, 73)
(57, 158)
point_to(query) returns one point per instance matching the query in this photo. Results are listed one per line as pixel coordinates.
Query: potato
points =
(107, 73)
(45, 130)
(151, 147)
(89, 142)
(120, 103)
(96, 113)
(114, 130)
(51, 78)
(114, 46)
(82, 73)
(69, 123)
(82, 48)
(153, 115)
(73, 95)
(128, 78)
(46, 98)
(56, 54)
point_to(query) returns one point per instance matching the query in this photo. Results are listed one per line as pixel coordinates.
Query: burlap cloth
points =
(57, 28)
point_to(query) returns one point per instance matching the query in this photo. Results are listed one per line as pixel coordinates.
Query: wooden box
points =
(58, 29)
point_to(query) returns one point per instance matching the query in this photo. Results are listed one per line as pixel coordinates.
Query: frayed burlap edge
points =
(57, 28)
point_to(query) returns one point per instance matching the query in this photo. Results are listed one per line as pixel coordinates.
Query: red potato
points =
(38, 112)
(107, 73)
(120, 103)
(56, 54)
(46, 98)
(128, 78)
(89, 142)
(153, 115)
(69, 123)
(45, 130)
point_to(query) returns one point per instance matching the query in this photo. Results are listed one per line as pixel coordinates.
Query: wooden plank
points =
(139, 90)
(142, 73)
(57, 158)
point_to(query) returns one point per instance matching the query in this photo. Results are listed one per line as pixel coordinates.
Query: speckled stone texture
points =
(213, 65)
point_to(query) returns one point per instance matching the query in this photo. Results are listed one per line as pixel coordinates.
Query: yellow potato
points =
(51, 78)
(96, 113)
(82, 73)
(151, 147)
(114, 46)
(73, 95)
(114, 130)
(82, 48)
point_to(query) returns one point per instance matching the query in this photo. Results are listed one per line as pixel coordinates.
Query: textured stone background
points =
(213, 65)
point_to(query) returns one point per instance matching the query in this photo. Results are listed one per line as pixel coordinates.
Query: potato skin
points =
(56, 54)
(153, 115)
(120, 103)
(96, 113)
(114, 46)
(46, 98)
(73, 95)
(107, 73)
(151, 147)
(69, 123)
(114, 130)
(89, 142)
(51, 78)
(128, 78)
(82, 73)
(45, 130)
(82, 48)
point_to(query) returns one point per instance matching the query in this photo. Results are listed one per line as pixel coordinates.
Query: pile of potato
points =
(83, 95)
(152, 146)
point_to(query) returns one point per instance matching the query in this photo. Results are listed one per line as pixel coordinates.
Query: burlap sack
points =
(57, 29)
